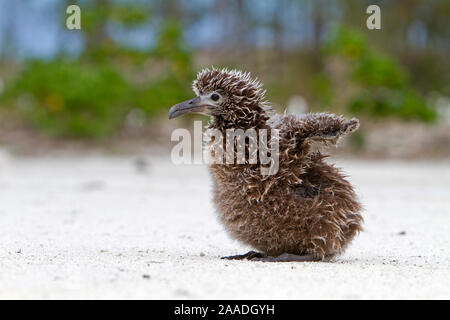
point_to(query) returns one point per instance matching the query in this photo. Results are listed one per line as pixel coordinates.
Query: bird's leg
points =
(288, 257)
(249, 256)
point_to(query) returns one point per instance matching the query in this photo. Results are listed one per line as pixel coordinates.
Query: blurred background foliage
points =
(132, 60)
(383, 87)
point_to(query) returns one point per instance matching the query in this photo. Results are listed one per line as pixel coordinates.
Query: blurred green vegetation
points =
(71, 99)
(346, 69)
(380, 85)
(90, 97)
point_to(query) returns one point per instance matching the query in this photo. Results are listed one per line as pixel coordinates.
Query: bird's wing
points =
(302, 130)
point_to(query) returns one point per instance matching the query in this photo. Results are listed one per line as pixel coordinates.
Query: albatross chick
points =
(307, 210)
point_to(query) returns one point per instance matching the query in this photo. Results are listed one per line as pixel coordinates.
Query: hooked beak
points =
(195, 105)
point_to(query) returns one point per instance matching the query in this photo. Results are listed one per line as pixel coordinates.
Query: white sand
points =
(95, 227)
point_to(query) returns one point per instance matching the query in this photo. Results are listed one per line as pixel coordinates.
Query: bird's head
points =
(231, 98)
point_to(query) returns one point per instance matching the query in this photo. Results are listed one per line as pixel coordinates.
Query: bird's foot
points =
(249, 256)
(288, 257)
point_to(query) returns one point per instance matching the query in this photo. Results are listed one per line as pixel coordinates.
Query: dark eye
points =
(215, 97)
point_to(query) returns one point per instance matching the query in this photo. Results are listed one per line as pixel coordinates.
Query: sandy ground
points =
(100, 227)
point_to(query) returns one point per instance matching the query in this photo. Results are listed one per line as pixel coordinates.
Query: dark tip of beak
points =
(173, 112)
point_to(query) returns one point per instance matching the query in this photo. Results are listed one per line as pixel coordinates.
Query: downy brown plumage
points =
(307, 211)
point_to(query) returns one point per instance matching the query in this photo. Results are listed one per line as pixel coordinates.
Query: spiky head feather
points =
(245, 104)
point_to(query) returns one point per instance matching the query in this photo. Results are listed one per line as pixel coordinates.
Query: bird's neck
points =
(254, 121)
